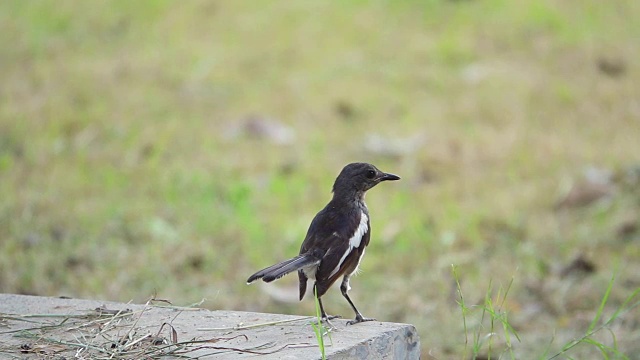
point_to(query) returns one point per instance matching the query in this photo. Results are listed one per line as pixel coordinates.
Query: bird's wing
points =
(342, 236)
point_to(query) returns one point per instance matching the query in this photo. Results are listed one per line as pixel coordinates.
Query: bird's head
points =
(360, 177)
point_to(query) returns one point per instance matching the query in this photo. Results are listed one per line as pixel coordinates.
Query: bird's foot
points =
(330, 317)
(359, 318)
(326, 319)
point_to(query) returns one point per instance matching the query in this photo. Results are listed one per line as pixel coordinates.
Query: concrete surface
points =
(34, 327)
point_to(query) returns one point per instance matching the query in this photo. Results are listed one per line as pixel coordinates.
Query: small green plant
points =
(318, 328)
(497, 315)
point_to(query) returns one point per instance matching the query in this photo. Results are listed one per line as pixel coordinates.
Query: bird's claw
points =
(359, 319)
(326, 319)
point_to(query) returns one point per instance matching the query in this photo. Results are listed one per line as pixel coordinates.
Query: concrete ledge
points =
(34, 327)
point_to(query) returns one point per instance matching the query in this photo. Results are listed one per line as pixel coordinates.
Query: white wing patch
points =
(354, 241)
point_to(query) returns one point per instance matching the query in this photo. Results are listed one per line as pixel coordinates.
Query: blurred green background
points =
(170, 149)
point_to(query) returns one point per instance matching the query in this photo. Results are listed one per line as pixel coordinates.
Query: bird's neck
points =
(349, 198)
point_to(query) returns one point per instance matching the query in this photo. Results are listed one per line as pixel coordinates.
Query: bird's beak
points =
(387, 176)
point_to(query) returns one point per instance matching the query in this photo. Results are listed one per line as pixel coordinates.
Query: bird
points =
(336, 239)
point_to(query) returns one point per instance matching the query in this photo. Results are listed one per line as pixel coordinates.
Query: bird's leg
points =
(344, 287)
(324, 315)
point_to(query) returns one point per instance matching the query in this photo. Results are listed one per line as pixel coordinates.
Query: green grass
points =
(488, 340)
(597, 325)
(119, 179)
(319, 329)
(495, 315)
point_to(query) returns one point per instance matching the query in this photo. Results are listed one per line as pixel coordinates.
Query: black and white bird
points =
(336, 239)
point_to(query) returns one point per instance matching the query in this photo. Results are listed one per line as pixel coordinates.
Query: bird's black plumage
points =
(336, 239)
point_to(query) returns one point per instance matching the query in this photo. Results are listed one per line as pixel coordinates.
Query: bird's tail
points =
(275, 272)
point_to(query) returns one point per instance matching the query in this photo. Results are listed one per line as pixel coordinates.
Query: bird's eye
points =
(371, 174)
